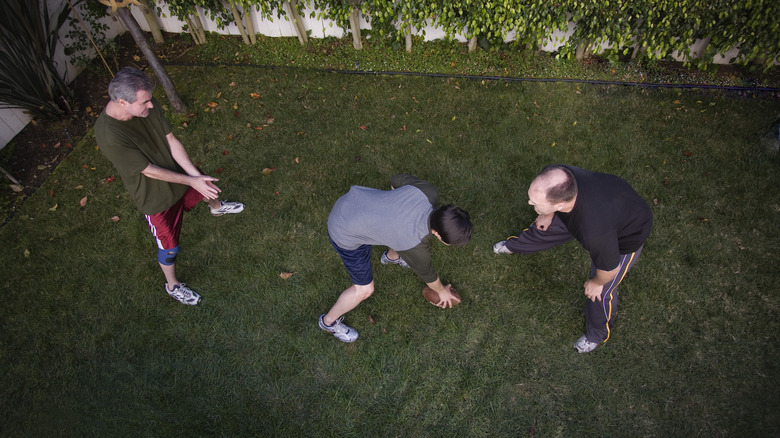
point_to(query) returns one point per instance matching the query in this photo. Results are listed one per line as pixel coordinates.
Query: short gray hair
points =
(127, 83)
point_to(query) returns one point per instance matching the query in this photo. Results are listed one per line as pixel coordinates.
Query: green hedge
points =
(653, 29)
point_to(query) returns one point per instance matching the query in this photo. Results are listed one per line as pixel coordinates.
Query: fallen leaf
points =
(54, 208)
(363, 127)
(114, 218)
(17, 187)
(136, 58)
(56, 145)
(218, 170)
(268, 170)
(27, 253)
(255, 95)
(51, 193)
(212, 104)
(286, 275)
(83, 201)
(687, 153)
(269, 121)
(371, 319)
(236, 113)
(78, 187)
(297, 160)
(232, 84)
(42, 166)
(109, 179)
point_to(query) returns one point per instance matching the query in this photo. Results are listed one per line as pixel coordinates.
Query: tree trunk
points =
(194, 32)
(199, 27)
(409, 37)
(239, 23)
(473, 44)
(250, 25)
(354, 25)
(583, 50)
(159, 71)
(151, 20)
(639, 50)
(303, 38)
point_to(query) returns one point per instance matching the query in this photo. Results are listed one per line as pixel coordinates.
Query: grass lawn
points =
(91, 345)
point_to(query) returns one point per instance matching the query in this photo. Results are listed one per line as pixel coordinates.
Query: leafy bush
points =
(28, 75)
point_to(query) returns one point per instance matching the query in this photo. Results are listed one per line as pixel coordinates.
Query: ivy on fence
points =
(616, 29)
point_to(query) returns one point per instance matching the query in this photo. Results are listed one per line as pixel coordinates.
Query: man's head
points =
(452, 225)
(554, 189)
(132, 91)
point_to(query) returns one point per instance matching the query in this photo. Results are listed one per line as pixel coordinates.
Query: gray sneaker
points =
(385, 260)
(583, 345)
(227, 208)
(183, 294)
(341, 331)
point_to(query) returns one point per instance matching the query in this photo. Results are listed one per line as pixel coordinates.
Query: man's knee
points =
(365, 291)
(167, 257)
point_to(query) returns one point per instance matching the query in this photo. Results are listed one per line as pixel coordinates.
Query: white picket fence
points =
(14, 121)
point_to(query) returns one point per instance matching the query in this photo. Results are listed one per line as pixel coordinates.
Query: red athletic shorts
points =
(166, 225)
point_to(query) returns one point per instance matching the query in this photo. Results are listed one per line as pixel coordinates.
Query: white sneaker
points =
(341, 331)
(183, 294)
(583, 345)
(385, 260)
(227, 208)
(500, 248)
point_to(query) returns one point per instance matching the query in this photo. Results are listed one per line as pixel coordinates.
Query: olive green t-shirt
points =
(131, 146)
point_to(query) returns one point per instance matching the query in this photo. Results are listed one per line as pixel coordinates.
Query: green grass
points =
(91, 346)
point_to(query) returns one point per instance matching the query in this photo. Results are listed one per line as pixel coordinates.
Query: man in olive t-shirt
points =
(155, 168)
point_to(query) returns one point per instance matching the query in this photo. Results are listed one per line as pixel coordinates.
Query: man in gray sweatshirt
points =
(404, 220)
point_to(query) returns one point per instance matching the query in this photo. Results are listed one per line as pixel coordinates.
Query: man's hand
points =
(205, 186)
(447, 299)
(543, 221)
(593, 290)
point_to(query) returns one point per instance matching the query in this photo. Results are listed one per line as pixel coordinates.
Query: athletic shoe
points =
(385, 260)
(227, 208)
(183, 294)
(500, 248)
(583, 345)
(341, 331)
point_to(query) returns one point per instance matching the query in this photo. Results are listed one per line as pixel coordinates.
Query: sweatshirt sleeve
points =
(424, 186)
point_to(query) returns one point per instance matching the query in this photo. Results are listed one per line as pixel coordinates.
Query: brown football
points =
(433, 297)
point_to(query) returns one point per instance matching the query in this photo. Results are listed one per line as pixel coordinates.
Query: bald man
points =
(609, 219)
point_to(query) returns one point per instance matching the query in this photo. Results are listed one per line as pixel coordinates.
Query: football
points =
(433, 297)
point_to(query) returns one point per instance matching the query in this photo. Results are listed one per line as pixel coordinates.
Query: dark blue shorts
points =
(358, 263)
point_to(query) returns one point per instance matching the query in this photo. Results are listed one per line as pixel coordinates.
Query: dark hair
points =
(565, 190)
(127, 83)
(452, 224)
